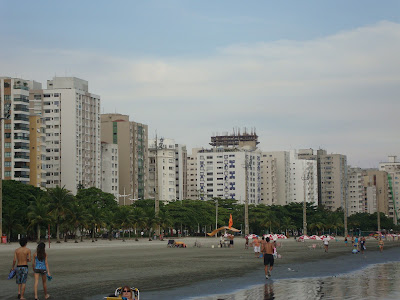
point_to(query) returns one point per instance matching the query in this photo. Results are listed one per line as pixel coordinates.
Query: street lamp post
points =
(216, 216)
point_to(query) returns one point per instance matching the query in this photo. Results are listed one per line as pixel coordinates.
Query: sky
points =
(303, 74)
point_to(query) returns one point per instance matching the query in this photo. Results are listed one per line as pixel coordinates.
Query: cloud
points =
(340, 91)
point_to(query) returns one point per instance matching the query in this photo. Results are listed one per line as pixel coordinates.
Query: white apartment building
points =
(181, 160)
(223, 173)
(268, 180)
(192, 189)
(14, 104)
(162, 169)
(109, 169)
(356, 192)
(281, 176)
(303, 179)
(392, 167)
(72, 117)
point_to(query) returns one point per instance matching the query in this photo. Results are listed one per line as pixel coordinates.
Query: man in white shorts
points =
(256, 245)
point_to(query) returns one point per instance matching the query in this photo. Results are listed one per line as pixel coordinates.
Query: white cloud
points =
(340, 91)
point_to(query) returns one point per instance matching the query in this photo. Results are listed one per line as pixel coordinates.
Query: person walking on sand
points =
(246, 244)
(326, 243)
(380, 244)
(268, 251)
(256, 245)
(22, 255)
(362, 245)
(41, 268)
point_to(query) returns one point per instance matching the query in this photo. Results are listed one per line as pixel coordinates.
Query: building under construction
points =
(236, 139)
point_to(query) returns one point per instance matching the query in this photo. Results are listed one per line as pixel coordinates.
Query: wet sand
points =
(86, 269)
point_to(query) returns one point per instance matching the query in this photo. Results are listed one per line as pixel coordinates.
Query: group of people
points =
(359, 244)
(265, 249)
(40, 267)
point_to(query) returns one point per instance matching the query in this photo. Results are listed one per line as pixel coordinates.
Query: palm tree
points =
(78, 218)
(38, 214)
(150, 219)
(96, 219)
(165, 220)
(60, 201)
(138, 218)
(124, 219)
(12, 220)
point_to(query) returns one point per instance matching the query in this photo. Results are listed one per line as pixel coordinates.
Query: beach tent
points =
(223, 228)
(252, 236)
(304, 237)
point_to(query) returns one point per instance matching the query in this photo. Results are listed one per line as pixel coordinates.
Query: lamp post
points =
(216, 216)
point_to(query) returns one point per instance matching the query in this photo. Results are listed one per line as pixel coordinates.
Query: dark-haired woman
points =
(41, 268)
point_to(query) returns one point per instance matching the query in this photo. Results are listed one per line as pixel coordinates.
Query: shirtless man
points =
(256, 245)
(22, 255)
(268, 251)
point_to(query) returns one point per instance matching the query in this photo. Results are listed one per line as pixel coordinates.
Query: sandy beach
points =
(85, 269)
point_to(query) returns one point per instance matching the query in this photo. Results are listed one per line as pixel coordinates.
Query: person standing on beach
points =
(246, 244)
(380, 244)
(256, 245)
(362, 245)
(326, 243)
(22, 255)
(268, 251)
(41, 268)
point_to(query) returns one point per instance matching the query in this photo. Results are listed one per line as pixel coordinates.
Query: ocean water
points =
(378, 281)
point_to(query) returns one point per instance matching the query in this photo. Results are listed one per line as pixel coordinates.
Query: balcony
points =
(21, 100)
(20, 87)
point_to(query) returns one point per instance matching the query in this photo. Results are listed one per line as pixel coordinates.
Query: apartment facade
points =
(37, 141)
(392, 167)
(162, 169)
(132, 140)
(192, 189)
(303, 179)
(281, 173)
(332, 170)
(269, 189)
(72, 118)
(357, 192)
(229, 173)
(376, 187)
(181, 183)
(14, 103)
(109, 169)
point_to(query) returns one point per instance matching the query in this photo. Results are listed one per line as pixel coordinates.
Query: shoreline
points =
(154, 268)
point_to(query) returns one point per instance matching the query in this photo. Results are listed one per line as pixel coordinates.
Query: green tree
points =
(60, 203)
(38, 214)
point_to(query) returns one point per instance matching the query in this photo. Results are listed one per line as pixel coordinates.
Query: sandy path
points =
(86, 269)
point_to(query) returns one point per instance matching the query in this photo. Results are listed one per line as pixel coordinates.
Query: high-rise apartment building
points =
(181, 160)
(376, 192)
(269, 188)
(72, 118)
(37, 141)
(356, 191)
(229, 173)
(162, 169)
(392, 167)
(303, 179)
(132, 140)
(281, 174)
(332, 169)
(109, 169)
(14, 97)
(193, 192)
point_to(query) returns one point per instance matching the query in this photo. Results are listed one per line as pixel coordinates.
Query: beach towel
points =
(12, 274)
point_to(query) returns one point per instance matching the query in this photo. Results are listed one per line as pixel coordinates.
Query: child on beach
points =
(380, 244)
(22, 256)
(41, 268)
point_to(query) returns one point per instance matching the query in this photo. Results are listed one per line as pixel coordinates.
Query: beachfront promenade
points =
(85, 269)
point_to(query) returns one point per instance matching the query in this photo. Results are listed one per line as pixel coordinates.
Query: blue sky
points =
(304, 73)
